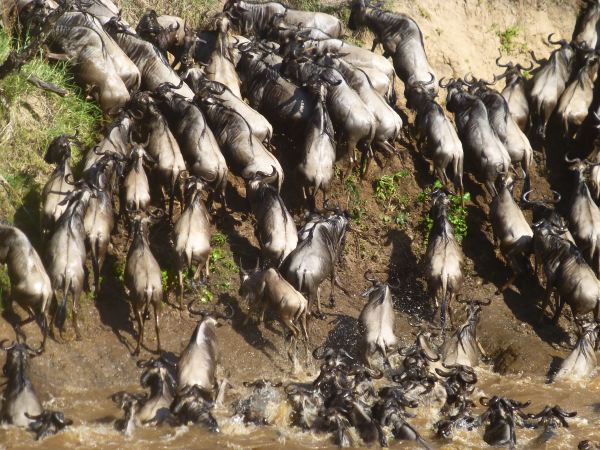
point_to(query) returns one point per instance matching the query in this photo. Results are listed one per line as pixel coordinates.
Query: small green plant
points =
(509, 40)
(205, 296)
(119, 270)
(424, 13)
(387, 193)
(218, 239)
(457, 213)
(164, 277)
(4, 287)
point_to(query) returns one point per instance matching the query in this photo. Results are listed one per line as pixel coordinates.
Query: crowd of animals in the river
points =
(189, 105)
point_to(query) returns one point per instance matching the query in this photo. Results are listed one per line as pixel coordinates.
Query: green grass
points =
(509, 40)
(196, 12)
(4, 286)
(457, 214)
(29, 119)
(389, 195)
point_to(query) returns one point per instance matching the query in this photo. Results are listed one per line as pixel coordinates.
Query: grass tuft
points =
(29, 119)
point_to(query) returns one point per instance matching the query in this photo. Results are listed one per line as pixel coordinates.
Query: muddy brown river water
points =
(94, 415)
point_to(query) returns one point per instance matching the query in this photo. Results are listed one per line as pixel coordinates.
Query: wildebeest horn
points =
(33, 352)
(69, 179)
(467, 82)
(372, 279)
(4, 347)
(525, 68)
(560, 42)
(485, 401)
(316, 353)
(509, 64)
(571, 161)
(444, 86)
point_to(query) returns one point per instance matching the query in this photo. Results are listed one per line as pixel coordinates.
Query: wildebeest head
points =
(419, 92)
(59, 148)
(357, 14)
(17, 359)
(249, 284)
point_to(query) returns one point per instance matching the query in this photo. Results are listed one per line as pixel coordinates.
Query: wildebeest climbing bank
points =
(308, 225)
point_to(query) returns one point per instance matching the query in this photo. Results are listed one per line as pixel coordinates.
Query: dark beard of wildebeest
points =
(484, 151)
(244, 152)
(261, 128)
(56, 188)
(196, 140)
(20, 398)
(275, 227)
(584, 214)
(257, 18)
(153, 66)
(66, 256)
(443, 259)
(354, 123)
(400, 38)
(548, 84)
(316, 256)
(30, 285)
(143, 280)
(515, 92)
(511, 230)
(436, 135)
(516, 143)
(192, 235)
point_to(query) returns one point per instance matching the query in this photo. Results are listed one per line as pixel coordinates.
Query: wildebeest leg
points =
(180, 288)
(366, 154)
(76, 294)
(157, 326)
(317, 295)
(140, 338)
(549, 290)
(561, 304)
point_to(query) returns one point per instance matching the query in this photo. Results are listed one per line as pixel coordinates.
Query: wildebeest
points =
(318, 150)
(584, 215)
(268, 290)
(30, 285)
(221, 65)
(400, 38)
(582, 360)
(574, 103)
(316, 256)
(244, 152)
(66, 255)
(20, 399)
(275, 227)
(483, 149)
(444, 258)
(436, 135)
(511, 229)
(587, 26)
(192, 234)
(549, 83)
(196, 140)
(377, 320)
(256, 18)
(515, 92)
(56, 188)
(143, 281)
(463, 347)
(151, 63)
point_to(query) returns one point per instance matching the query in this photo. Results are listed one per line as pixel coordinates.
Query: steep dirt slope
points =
(460, 36)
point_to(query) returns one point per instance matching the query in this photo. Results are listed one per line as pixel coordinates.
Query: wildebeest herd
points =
(189, 105)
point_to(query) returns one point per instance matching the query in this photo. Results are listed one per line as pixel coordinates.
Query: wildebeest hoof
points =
(319, 315)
